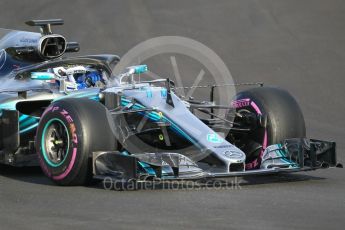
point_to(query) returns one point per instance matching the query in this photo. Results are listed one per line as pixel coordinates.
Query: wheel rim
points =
(55, 142)
(253, 144)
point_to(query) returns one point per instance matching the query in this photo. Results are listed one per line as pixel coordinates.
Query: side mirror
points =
(131, 70)
(42, 76)
(137, 69)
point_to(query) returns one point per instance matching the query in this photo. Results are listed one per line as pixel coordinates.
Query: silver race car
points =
(78, 121)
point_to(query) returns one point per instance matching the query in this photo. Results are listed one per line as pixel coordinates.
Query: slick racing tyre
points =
(278, 117)
(68, 132)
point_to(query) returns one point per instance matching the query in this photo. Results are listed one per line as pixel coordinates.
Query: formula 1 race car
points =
(77, 121)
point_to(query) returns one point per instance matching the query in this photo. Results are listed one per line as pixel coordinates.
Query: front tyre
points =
(68, 132)
(284, 119)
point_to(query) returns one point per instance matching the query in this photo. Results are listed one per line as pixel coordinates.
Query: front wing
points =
(293, 155)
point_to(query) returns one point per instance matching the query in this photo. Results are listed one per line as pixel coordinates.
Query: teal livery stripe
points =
(29, 128)
(90, 95)
(154, 116)
(27, 123)
(283, 156)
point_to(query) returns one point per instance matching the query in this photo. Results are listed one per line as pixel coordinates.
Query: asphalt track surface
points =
(297, 44)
